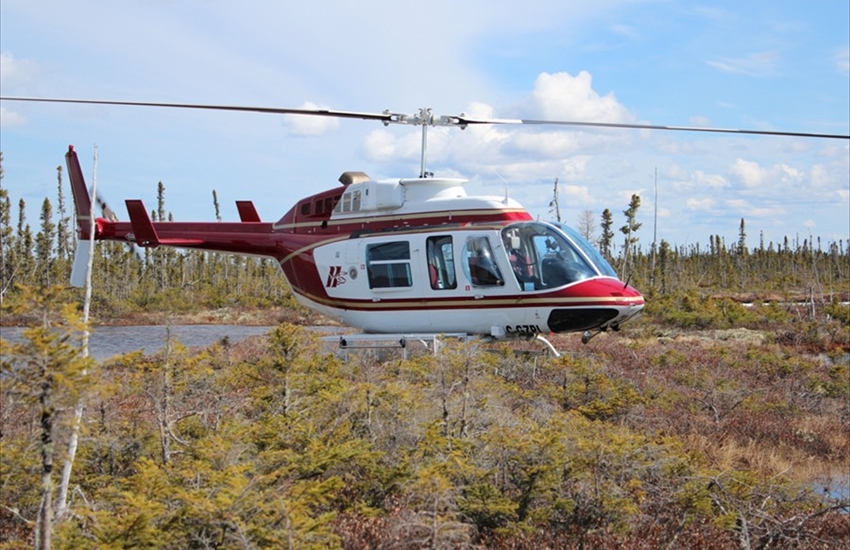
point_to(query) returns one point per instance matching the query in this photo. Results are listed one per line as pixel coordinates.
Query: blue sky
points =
(775, 65)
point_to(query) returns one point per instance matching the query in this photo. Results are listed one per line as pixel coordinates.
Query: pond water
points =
(106, 342)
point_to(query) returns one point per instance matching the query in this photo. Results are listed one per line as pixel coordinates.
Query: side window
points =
(478, 263)
(388, 265)
(441, 263)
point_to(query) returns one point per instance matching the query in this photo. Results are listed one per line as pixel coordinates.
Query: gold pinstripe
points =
(398, 217)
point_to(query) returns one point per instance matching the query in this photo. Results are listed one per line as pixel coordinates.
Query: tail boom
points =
(251, 236)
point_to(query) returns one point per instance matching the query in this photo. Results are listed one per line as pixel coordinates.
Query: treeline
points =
(128, 279)
(793, 269)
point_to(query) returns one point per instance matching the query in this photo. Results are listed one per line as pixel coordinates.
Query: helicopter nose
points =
(609, 303)
(623, 290)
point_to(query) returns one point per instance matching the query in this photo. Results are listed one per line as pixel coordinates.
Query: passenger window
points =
(388, 265)
(479, 264)
(441, 264)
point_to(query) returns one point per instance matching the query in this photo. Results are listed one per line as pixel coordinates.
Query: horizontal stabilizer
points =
(247, 211)
(143, 228)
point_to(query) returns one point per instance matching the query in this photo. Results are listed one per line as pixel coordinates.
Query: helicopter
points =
(408, 255)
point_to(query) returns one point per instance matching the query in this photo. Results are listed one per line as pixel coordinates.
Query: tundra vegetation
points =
(707, 423)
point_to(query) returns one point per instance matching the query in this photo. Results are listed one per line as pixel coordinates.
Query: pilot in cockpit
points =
(520, 263)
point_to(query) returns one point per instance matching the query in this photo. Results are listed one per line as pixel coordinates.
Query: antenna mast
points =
(654, 231)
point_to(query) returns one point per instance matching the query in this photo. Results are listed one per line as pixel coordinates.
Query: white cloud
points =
(529, 153)
(15, 70)
(577, 194)
(748, 173)
(379, 145)
(710, 180)
(702, 204)
(310, 125)
(754, 64)
(753, 175)
(17, 74)
(626, 31)
(842, 61)
(738, 204)
(561, 96)
(548, 144)
(9, 119)
(699, 121)
(770, 212)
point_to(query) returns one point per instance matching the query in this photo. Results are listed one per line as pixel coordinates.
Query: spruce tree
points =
(8, 260)
(607, 237)
(63, 230)
(44, 242)
(632, 225)
(742, 239)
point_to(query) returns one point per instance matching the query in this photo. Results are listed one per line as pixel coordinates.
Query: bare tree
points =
(587, 225)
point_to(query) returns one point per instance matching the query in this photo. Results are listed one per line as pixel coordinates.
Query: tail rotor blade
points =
(108, 213)
(82, 256)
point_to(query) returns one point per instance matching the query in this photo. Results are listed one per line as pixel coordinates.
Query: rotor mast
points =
(424, 118)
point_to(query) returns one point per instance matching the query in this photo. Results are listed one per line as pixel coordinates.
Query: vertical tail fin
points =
(82, 205)
(82, 200)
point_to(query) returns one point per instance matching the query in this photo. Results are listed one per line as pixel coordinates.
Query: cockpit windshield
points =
(590, 251)
(545, 256)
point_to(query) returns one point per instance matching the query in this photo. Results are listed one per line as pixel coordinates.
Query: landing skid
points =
(377, 342)
(431, 342)
(548, 345)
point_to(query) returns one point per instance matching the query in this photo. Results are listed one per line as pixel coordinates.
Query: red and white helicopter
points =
(411, 255)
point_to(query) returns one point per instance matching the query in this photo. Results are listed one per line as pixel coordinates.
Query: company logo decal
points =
(335, 277)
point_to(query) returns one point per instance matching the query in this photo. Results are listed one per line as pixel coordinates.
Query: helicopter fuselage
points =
(409, 255)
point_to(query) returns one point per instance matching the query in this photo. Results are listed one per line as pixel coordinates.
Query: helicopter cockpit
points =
(549, 255)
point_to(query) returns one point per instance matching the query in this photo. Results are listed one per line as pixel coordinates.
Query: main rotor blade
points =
(425, 118)
(385, 117)
(463, 121)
